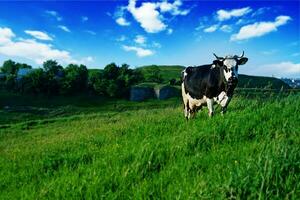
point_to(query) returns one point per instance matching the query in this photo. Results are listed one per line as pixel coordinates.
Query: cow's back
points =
(202, 81)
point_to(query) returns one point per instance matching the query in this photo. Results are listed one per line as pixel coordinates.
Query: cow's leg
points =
(187, 110)
(185, 102)
(224, 105)
(223, 100)
(210, 106)
(193, 112)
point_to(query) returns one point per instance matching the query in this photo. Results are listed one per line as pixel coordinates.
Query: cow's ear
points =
(218, 62)
(242, 61)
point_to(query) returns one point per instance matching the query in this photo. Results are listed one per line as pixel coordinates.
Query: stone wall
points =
(142, 93)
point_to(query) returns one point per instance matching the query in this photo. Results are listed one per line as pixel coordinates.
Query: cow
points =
(206, 84)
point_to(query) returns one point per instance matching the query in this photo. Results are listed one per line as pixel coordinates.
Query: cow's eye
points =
(225, 68)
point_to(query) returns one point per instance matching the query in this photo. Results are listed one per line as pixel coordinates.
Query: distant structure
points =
(292, 82)
(2, 75)
(23, 72)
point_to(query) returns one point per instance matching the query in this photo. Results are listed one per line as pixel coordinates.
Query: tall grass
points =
(148, 151)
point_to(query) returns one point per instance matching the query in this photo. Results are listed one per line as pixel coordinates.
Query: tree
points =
(154, 75)
(75, 79)
(172, 81)
(9, 67)
(23, 66)
(116, 81)
(52, 68)
(10, 82)
(35, 82)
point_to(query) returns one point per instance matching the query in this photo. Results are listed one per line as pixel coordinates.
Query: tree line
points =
(53, 79)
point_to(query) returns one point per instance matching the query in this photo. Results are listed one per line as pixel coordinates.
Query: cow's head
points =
(230, 64)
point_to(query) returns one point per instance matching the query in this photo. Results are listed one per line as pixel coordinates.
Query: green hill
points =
(167, 72)
(245, 81)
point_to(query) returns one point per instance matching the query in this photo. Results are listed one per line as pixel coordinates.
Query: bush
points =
(154, 75)
(115, 81)
(34, 83)
(53, 79)
(10, 82)
(75, 79)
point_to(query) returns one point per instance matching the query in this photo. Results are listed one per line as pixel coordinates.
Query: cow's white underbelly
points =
(221, 99)
(192, 102)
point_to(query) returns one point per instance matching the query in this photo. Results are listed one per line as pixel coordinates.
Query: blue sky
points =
(165, 32)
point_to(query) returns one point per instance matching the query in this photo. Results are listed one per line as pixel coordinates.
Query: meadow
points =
(97, 148)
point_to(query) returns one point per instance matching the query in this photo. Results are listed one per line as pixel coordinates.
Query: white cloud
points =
(283, 69)
(172, 8)
(87, 59)
(223, 15)
(226, 28)
(90, 32)
(38, 35)
(244, 21)
(32, 49)
(122, 21)
(5, 35)
(121, 38)
(140, 52)
(211, 29)
(147, 15)
(139, 39)
(170, 31)
(156, 45)
(150, 14)
(64, 28)
(259, 29)
(260, 11)
(165, 6)
(54, 14)
(200, 26)
(84, 18)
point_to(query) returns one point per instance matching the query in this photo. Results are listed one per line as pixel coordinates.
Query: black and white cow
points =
(206, 84)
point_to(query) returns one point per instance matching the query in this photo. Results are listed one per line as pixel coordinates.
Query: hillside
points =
(167, 72)
(84, 148)
(245, 81)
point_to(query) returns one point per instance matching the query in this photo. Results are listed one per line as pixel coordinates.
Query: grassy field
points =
(91, 148)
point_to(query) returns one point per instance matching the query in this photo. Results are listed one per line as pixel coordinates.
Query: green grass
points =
(117, 149)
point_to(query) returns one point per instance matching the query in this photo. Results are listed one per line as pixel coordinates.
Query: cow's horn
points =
(242, 55)
(217, 57)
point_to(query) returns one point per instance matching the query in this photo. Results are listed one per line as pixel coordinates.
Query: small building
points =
(23, 72)
(2, 76)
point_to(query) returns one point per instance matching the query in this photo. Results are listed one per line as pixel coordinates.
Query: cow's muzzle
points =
(233, 80)
(231, 84)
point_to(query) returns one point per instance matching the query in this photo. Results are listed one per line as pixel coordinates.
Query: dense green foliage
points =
(163, 73)
(11, 68)
(113, 81)
(91, 148)
(53, 79)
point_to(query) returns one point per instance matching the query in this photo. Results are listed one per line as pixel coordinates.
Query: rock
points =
(141, 93)
(167, 92)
